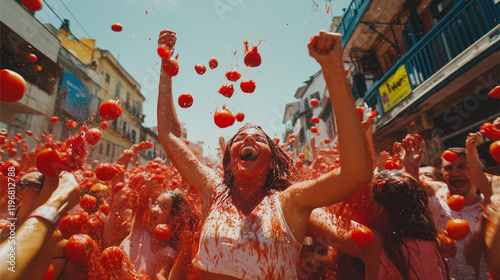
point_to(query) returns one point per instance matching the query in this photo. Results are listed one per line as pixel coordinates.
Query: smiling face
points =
(160, 211)
(457, 176)
(250, 155)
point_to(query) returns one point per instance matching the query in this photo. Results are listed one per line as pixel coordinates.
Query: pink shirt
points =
(259, 245)
(424, 258)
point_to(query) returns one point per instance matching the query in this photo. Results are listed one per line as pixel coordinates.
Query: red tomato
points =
(11, 166)
(226, 90)
(391, 165)
(185, 100)
(88, 202)
(110, 110)
(456, 202)
(119, 186)
(361, 112)
(200, 69)
(32, 57)
(12, 86)
(72, 224)
(362, 236)
(301, 156)
(2, 139)
(240, 116)
(247, 86)
(104, 208)
(314, 102)
(495, 93)
(495, 150)
(171, 67)
(490, 131)
(276, 140)
(213, 63)
(299, 163)
(112, 258)
(116, 27)
(162, 232)
(93, 136)
(450, 156)
(232, 75)
(12, 152)
(315, 120)
(72, 124)
(372, 115)
(49, 163)
(223, 118)
(457, 229)
(49, 275)
(163, 51)
(78, 249)
(252, 57)
(107, 171)
(32, 5)
(54, 119)
(29, 132)
(314, 129)
(327, 140)
(346, 71)
(104, 125)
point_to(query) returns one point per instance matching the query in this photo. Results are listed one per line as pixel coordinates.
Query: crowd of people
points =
(262, 213)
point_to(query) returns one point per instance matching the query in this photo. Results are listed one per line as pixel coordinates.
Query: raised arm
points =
(195, 173)
(355, 159)
(476, 167)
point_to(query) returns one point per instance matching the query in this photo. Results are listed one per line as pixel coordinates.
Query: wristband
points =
(48, 213)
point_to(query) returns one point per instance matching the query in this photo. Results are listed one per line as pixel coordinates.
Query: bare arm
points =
(169, 132)
(34, 246)
(355, 159)
(475, 166)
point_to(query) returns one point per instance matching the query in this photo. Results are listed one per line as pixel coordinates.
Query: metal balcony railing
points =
(350, 18)
(459, 29)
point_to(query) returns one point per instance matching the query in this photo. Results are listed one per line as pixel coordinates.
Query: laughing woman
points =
(255, 217)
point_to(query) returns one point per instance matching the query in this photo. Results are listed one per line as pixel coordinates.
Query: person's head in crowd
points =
(430, 173)
(457, 175)
(27, 190)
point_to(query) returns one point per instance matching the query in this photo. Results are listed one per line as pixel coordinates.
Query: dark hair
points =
(279, 178)
(180, 211)
(32, 179)
(405, 203)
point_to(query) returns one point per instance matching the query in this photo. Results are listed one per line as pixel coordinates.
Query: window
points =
(124, 126)
(113, 152)
(107, 79)
(100, 149)
(133, 135)
(108, 147)
(117, 93)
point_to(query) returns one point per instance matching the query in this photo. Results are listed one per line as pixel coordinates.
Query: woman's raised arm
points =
(192, 170)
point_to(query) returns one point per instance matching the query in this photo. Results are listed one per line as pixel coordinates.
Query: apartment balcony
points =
(467, 35)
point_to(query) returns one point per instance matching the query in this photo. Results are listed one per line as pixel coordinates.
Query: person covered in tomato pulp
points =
(255, 217)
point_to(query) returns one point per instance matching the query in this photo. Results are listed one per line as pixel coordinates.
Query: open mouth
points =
(248, 154)
(458, 183)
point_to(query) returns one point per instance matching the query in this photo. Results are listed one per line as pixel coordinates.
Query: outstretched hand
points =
(168, 39)
(410, 153)
(474, 140)
(326, 48)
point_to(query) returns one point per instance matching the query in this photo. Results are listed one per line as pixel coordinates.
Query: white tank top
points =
(259, 245)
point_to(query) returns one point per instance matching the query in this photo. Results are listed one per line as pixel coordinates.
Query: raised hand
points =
(411, 154)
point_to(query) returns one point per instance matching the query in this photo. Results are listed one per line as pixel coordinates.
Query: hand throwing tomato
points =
(110, 110)
(12, 86)
(49, 163)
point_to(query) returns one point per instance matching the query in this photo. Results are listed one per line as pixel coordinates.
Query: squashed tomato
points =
(200, 69)
(226, 90)
(247, 86)
(391, 165)
(11, 166)
(171, 67)
(12, 86)
(252, 57)
(88, 202)
(107, 171)
(490, 131)
(110, 110)
(162, 232)
(233, 75)
(224, 118)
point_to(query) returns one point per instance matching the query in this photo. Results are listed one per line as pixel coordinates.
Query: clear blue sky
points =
(206, 29)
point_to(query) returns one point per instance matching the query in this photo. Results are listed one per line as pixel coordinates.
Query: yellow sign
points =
(395, 89)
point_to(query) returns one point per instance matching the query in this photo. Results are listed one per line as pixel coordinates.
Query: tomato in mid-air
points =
(12, 86)
(163, 51)
(301, 156)
(200, 69)
(247, 86)
(88, 202)
(171, 67)
(456, 202)
(11, 166)
(327, 140)
(185, 100)
(49, 162)
(93, 136)
(315, 120)
(54, 119)
(362, 236)
(314, 102)
(252, 57)
(495, 93)
(72, 124)
(490, 131)
(450, 156)
(32, 58)
(104, 125)
(240, 116)
(116, 27)
(226, 90)
(299, 163)
(79, 248)
(457, 229)
(314, 129)
(213, 63)
(346, 71)
(107, 171)
(495, 150)
(233, 75)
(110, 110)
(391, 165)
(32, 5)
(162, 232)
(224, 118)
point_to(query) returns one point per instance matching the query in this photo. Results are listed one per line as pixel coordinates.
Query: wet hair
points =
(283, 172)
(405, 203)
(32, 179)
